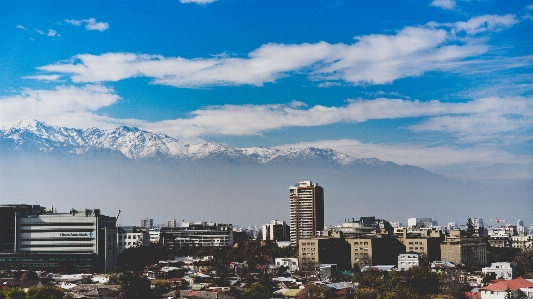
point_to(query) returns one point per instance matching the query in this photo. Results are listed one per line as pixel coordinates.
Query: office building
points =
(456, 247)
(306, 210)
(132, 236)
(420, 222)
(33, 237)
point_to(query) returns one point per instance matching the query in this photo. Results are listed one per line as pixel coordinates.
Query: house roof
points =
(512, 284)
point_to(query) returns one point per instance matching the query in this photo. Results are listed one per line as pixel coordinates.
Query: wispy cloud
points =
(43, 77)
(90, 24)
(487, 23)
(371, 59)
(39, 31)
(444, 4)
(52, 32)
(64, 105)
(21, 27)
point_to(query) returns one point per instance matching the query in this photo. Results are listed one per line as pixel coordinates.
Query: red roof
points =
(193, 293)
(513, 285)
(474, 295)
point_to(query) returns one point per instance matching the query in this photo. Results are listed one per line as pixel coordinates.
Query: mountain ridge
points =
(139, 144)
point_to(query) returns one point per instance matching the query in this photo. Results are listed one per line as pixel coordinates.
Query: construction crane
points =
(116, 218)
(498, 220)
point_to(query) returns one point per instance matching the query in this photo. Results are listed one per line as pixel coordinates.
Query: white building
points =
(306, 210)
(501, 269)
(408, 260)
(170, 223)
(290, 262)
(154, 234)
(276, 230)
(197, 234)
(132, 236)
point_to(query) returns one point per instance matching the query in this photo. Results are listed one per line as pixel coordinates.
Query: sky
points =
(445, 85)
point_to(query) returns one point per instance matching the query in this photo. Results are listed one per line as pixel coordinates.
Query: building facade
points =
(306, 210)
(34, 237)
(147, 223)
(458, 248)
(132, 236)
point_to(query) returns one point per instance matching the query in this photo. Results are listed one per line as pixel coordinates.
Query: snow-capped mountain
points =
(138, 144)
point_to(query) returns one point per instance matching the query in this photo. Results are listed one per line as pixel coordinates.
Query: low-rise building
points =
(276, 230)
(505, 288)
(324, 250)
(407, 261)
(501, 269)
(291, 263)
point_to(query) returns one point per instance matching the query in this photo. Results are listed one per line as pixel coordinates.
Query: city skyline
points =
(443, 84)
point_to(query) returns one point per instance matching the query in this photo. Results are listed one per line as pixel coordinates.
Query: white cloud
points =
(21, 27)
(74, 22)
(52, 32)
(39, 31)
(90, 24)
(530, 7)
(374, 59)
(44, 77)
(481, 119)
(93, 25)
(486, 23)
(65, 106)
(198, 1)
(444, 4)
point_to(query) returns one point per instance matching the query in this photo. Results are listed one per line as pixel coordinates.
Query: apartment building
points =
(456, 247)
(190, 234)
(306, 210)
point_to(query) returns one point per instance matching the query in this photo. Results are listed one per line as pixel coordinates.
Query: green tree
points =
(15, 293)
(44, 292)
(524, 263)
(366, 293)
(255, 291)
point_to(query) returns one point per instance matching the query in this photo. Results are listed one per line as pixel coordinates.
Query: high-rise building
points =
(276, 230)
(306, 210)
(147, 223)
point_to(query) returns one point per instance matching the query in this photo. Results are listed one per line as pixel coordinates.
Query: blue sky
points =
(445, 85)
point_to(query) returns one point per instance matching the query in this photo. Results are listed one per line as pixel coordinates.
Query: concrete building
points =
(306, 210)
(522, 241)
(34, 237)
(191, 234)
(422, 241)
(170, 223)
(132, 236)
(456, 247)
(407, 261)
(374, 250)
(147, 223)
(324, 250)
(501, 269)
(276, 230)
(363, 226)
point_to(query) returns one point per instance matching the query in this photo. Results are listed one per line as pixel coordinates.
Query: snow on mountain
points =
(137, 144)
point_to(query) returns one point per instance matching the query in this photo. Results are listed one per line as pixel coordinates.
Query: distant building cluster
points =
(35, 237)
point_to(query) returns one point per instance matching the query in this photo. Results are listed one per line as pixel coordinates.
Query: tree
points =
(44, 292)
(508, 293)
(366, 293)
(162, 287)
(524, 263)
(470, 229)
(135, 287)
(311, 291)
(255, 291)
(15, 293)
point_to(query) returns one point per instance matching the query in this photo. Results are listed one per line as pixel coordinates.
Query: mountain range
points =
(149, 175)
